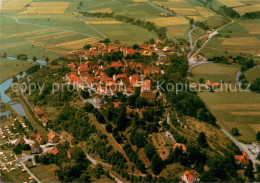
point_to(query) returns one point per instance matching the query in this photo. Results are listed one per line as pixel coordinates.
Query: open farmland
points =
(46, 8)
(232, 109)
(231, 3)
(168, 21)
(252, 74)
(13, 5)
(245, 9)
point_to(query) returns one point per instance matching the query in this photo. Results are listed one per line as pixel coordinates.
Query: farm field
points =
(43, 174)
(42, 41)
(10, 68)
(235, 40)
(234, 109)
(252, 74)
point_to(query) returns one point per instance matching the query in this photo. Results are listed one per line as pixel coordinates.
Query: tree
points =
(258, 136)
(136, 46)
(26, 147)
(201, 80)
(4, 55)
(152, 41)
(85, 94)
(150, 151)
(249, 171)
(17, 149)
(109, 128)
(15, 79)
(87, 46)
(47, 59)
(140, 102)
(34, 59)
(156, 164)
(107, 41)
(235, 132)
(202, 140)
(89, 107)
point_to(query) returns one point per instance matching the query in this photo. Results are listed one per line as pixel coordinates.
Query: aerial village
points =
(127, 76)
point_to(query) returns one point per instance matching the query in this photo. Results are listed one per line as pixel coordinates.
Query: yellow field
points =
(105, 10)
(242, 41)
(231, 3)
(13, 5)
(139, 1)
(46, 8)
(204, 12)
(245, 9)
(177, 1)
(176, 31)
(21, 35)
(78, 44)
(104, 22)
(185, 11)
(196, 18)
(253, 28)
(168, 21)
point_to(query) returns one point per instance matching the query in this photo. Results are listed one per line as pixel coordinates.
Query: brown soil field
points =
(253, 28)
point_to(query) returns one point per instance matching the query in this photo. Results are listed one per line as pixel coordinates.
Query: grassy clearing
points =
(252, 74)
(215, 72)
(10, 68)
(16, 176)
(232, 109)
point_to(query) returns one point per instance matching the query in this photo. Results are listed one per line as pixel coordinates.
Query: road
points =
(29, 172)
(95, 162)
(240, 145)
(210, 37)
(191, 41)
(45, 26)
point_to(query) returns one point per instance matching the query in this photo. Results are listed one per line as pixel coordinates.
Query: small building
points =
(242, 159)
(52, 137)
(65, 136)
(54, 151)
(188, 177)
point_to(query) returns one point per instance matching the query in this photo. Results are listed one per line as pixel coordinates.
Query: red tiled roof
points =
(188, 175)
(116, 64)
(122, 76)
(51, 135)
(54, 151)
(146, 71)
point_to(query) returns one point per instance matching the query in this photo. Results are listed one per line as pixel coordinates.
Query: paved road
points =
(240, 145)
(45, 26)
(191, 41)
(31, 174)
(95, 162)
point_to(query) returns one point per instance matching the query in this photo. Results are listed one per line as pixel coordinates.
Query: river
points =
(6, 84)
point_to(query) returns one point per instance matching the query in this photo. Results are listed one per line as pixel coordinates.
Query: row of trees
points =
(150, 26)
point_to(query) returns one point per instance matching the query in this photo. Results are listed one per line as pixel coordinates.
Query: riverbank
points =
(36, 124)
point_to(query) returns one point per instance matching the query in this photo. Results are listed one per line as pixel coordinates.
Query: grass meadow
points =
(10, 68)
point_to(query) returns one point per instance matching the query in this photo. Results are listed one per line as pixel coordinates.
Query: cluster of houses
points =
(41, 115)
(130, 78)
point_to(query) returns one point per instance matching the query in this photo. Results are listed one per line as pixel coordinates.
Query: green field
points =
(252, 74)
(43, 174)
(10, 68)
(232, 109)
